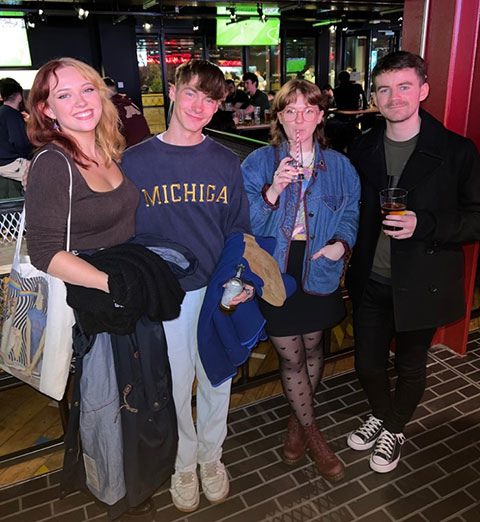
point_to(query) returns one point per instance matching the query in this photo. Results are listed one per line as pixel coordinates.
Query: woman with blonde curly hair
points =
(306, 196)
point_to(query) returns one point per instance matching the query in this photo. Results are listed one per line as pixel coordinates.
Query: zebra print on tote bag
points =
(36, 343)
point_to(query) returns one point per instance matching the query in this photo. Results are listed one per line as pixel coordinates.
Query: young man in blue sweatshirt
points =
(192, 192)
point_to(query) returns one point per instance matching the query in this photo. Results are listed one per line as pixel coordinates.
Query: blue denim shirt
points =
(331, 210)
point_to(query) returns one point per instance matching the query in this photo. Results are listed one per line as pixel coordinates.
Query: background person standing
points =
(14, 145)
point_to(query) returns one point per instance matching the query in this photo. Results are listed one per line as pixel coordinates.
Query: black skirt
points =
(302, 313)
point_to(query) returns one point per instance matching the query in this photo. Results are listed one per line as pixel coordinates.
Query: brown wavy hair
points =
(42, 130)
(210, 77)
(288, 94)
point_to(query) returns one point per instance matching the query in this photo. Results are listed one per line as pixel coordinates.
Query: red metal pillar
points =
(447, 34)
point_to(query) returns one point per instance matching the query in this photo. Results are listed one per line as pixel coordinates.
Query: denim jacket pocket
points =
(325, 274)
(333, 202)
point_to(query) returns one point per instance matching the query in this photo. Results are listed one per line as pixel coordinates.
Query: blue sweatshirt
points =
(13, 137)
(193, 195)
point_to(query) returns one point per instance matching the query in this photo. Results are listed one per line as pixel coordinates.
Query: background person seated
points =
(349, 96)
(257, 98)
(238, 98)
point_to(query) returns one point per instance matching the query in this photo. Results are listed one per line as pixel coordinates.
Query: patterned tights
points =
(301, 365)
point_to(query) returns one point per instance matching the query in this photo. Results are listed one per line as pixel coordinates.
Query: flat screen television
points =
(250, 31)
(14, 49)
(296, 65)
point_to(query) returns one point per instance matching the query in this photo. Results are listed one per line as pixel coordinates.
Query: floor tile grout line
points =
(454, 369)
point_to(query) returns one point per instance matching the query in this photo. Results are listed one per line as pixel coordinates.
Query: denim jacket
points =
(331, 203)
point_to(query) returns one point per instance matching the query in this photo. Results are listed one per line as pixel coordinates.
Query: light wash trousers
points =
(205, 443)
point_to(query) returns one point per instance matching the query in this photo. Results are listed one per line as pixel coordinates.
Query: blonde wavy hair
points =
(42, 130)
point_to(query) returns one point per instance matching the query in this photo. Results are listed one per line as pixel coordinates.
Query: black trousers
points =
(374, 329)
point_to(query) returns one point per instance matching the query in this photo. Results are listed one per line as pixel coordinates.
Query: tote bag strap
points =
(21, 228)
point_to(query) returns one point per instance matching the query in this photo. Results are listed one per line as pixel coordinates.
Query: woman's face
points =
(302, 117)
(74, 102)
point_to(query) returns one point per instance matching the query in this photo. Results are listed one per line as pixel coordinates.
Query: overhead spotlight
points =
(400, 18)
(195, 27)
(260, 12)
(333, 28)
(82, 13)
(41, 15)
(147, 26)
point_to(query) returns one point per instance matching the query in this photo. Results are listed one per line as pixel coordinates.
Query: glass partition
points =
(149, 64)
(356, 49)
(265, 63)
(300, 58)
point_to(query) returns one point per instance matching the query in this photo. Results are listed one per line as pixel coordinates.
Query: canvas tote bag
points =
(36, 341)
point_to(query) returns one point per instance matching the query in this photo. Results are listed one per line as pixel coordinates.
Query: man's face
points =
(250, 87)
(398, 94)
(231, 89)
(193, 109)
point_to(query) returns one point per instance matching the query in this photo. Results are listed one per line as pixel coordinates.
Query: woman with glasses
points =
(306, 196)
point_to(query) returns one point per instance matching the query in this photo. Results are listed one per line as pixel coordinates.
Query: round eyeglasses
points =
(308, 114)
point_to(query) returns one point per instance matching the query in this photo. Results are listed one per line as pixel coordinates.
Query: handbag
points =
(36, 342)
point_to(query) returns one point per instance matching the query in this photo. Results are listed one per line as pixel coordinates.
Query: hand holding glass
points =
(393, 201)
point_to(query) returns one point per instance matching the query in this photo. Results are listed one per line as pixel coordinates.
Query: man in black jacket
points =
(14, 144)
(406, 282)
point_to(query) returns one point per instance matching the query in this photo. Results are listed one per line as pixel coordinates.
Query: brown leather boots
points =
(310, 437)
(295, 443)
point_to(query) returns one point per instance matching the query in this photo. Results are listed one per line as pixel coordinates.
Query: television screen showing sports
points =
(248, 32)
(295, 65)
(14, 50)
(248, 29)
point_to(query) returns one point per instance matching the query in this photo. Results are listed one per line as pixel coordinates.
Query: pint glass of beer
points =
(393, 201)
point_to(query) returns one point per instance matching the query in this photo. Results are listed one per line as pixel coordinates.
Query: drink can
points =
(256, 115)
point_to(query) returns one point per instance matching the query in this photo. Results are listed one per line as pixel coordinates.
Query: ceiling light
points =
(82, 13)
(195, 27)
(147, 26)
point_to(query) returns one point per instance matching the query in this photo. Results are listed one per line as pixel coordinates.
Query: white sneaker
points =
(366, 435)
(185, 491)
(215, 482)
(386, 454)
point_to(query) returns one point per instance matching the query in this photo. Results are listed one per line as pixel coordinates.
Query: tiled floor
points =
(438, 478)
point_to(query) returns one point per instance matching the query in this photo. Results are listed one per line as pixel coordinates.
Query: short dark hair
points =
(210, 78)
(399, 60)
(230, 82)
(8, 88)
(343, 77)
(252, 77)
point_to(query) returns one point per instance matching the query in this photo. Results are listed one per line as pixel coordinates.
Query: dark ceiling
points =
(309, 10)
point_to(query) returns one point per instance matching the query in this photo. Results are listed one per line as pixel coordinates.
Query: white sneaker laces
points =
(386, 443)
(187, 478)
(210, 470)
(369, 427)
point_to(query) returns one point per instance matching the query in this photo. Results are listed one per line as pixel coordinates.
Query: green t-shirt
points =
(397, 154)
